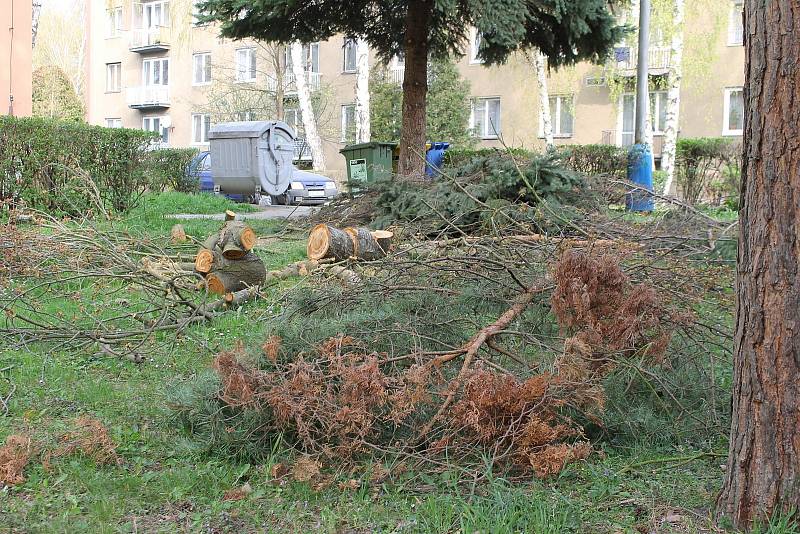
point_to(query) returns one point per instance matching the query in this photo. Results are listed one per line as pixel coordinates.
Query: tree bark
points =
(763, 470)
(328, 242)
(365, 246)
(415, 89)
(362, 92)
(673, 97)
(539, 62)
(232, 276)
(306, 110)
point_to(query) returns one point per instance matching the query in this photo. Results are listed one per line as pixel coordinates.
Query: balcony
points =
(302, 152)
(148, 97)
(396, 75)
(626, 58)
(147, 41)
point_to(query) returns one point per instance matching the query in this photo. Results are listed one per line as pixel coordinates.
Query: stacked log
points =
(226, 259)
(328, 242)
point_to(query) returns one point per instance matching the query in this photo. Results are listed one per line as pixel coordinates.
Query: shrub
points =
(705, 165)
(166, 169)
(456, 157)
(69, 168)
(596, 159)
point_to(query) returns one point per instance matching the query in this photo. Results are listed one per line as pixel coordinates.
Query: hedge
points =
(166, 169)
(596, 159)
(68, 168)
(708, 167)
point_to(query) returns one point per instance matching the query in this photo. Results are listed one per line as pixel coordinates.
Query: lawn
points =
(166, 481)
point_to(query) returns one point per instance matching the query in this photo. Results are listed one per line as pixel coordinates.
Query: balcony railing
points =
(657, 59)
(150, 39)
(148, 96)
(302, 150)
(396, 75)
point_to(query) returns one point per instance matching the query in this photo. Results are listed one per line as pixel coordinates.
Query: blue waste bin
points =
(640, 164)
(434, 157)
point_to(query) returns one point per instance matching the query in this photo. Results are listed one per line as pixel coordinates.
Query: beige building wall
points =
(15, 57)
(595, 105)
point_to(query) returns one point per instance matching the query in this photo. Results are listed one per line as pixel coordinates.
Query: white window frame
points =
(205, 58)
(621, 114)
(555, 117)
(350, 48)
(475, 38)
(310, 50)
(148, 11)
(163, 130)
(248, 73)
(491, 131)
(205, 126)
(244, 116)
(726, 111)
(113, 74)
(735, 23)
(113, 122)
(113, 22)
(345, 107)
(148, 71)
(655, 111)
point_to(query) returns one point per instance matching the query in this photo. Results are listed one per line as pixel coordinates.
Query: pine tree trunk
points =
(673, 97)
(415, 89)
(306, 111)
(763, 470)
(539, 62)
(362, 92)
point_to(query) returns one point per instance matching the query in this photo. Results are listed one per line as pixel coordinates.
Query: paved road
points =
(265, 212)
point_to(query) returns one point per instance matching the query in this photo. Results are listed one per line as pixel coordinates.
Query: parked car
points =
(306, 188)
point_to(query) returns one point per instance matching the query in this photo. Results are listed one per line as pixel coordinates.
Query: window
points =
(735, 24)
(291, 116)
(733, 118)
(155, 71)
(196, 12)
(658, 112)
(113, 123)
(158, 125)
(310, 56)
(246, 65)
(562, 116)
(201, 124)
(113, 77)
(350, 56)
(348, 123)
(154, 15)
(658, 115)
(475, 47)
(244, 116)
(114, 22)
(485, 118)
(201, 70)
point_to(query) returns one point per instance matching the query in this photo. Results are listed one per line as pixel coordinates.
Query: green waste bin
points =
(367, 162)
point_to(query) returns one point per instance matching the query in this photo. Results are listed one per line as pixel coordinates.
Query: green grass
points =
(168, 482)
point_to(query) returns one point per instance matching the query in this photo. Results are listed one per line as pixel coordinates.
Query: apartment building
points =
(15, 57)
(152, 66)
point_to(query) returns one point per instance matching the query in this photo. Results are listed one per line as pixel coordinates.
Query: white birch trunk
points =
(362, 92)
(673, 98)
(539, 61)
(306, 111)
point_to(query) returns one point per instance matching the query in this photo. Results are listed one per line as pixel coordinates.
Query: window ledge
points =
(343, 72)
(201, 84)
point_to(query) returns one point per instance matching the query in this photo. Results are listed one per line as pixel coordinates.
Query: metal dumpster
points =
(367, 162)
(251, 158)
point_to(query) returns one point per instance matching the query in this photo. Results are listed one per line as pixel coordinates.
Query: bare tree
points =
(61, 42)
(300, 71)
(673, 96)
(539, 62)
(363, 133)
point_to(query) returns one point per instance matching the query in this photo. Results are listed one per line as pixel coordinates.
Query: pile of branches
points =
(500, 344)
(79, 287)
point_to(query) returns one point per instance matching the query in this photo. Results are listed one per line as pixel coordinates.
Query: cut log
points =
(208, 260)
(384, 239)
(232, 276)
(236, 239)
(178, 234)
(328, 242)
(365, 246)
(230, 215)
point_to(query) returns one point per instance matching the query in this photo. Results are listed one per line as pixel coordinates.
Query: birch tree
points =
(673, 97)
(304, 103)
(363, 130)
(539, 62)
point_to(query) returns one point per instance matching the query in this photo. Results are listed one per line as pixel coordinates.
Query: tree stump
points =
(328, 242)
(384, 239)
(178, 234)
(365, 246)
(230, 276)
(236, 239)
